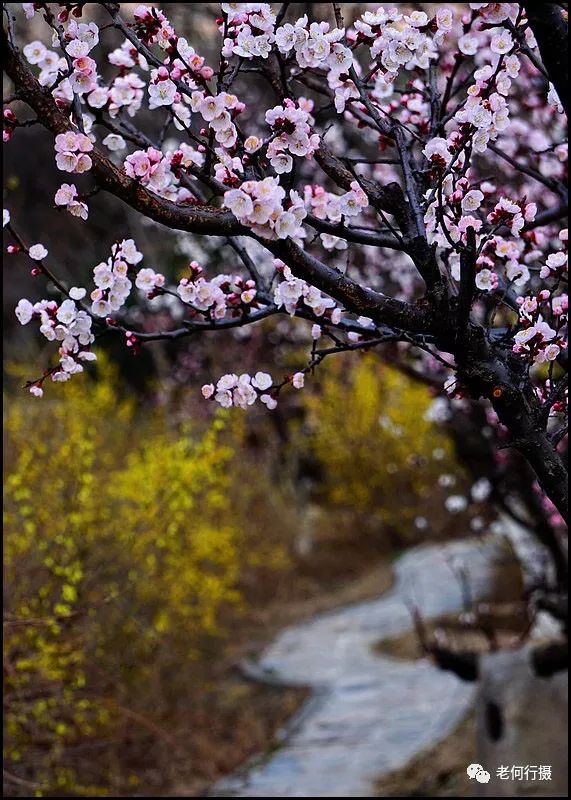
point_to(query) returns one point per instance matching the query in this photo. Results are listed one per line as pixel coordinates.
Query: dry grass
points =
(264, 623)
(502, 611)
(437, 772)
(508, 621)
(246, 723)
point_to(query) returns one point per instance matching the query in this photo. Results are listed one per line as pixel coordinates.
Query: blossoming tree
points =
(402, 189)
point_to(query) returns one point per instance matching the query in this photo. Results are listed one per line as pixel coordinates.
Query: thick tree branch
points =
(486, 374)
(467, 282)
(194, 219)
(381, 309)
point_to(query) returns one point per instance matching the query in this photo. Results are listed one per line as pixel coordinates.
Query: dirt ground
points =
(437, 772)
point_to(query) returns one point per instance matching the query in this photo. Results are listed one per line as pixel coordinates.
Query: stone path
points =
(368, 714)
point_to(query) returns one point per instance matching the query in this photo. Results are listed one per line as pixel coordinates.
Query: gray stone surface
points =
(368, 714)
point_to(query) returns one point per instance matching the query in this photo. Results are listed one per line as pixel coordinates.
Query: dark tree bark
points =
(549, 22)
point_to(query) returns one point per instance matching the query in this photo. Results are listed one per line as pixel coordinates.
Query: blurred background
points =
(152, 543)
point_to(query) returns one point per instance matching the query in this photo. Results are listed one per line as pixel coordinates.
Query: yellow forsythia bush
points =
(379, 455)
(121, 549)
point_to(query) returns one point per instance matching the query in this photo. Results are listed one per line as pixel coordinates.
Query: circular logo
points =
(478, 772)
(473, 770)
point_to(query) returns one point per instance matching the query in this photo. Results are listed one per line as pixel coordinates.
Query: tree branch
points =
(207, 220)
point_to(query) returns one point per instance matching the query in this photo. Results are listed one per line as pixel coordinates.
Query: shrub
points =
(379, 456)
(121, 552)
